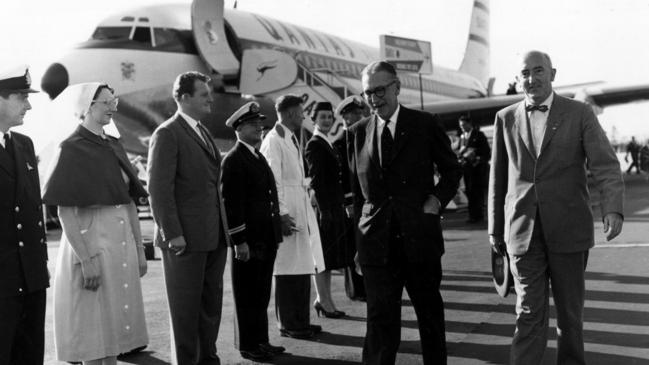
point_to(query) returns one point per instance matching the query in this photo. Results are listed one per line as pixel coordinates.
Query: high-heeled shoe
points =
(319, 309)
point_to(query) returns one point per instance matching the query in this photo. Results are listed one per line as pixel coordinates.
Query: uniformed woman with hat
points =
(325, 170)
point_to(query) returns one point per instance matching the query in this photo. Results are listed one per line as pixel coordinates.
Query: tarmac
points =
(479, 323)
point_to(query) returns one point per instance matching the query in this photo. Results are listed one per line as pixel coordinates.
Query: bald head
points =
(536, 76)
(542, 55)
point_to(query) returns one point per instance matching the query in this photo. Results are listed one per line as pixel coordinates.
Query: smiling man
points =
(23, 253)
(539, 207)
(252, 206)
(396, 153)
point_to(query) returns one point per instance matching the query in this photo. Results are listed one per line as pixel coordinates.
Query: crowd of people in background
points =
(368, 203)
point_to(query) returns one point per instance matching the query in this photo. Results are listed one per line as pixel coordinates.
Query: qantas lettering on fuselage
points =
(306, 39)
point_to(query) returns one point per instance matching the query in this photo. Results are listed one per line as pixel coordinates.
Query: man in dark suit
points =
(539, 207)
(350, 110)
(396, 153)
(250, 199)
(23, 252)
(474, 154)
(190, 223)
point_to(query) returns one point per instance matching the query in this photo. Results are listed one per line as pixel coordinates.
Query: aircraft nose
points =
(55, 80)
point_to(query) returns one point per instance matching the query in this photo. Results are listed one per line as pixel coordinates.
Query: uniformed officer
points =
(252, 209)
(23, 252)
(350, 110)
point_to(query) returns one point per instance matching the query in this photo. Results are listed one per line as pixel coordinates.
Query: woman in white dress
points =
(98, 308)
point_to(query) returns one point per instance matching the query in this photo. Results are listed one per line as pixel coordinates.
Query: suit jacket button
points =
(17, 209)
(21, 244)
(19, 226)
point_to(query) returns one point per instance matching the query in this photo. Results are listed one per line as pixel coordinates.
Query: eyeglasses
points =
(378, 91)
(112, 102)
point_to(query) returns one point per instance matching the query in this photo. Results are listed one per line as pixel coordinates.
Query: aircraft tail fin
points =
(476, 60)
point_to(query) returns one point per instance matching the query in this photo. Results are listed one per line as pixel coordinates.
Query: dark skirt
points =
(338, 251)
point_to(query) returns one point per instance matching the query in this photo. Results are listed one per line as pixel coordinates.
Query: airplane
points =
(250, 56)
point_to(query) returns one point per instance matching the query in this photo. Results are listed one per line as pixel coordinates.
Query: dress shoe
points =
(299, 334)
(333, 314)
(273, 350)
(255, 355)
(315, 328)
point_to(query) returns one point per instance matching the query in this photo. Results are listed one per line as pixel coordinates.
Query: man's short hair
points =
(184, 83)
(465, 118)
(378, 66)
(6, 93)
(286, 102)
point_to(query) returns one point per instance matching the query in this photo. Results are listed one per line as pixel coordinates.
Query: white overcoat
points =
(301, 252)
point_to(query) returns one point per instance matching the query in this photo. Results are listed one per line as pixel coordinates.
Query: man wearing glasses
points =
(395, 154)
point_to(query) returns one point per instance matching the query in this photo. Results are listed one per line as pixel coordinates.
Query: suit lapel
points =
(401, 133)
(192, 134)
(524, 132)
(326, 145)
(22, 171)
(370, 140)
(6, 162)
(553, 122)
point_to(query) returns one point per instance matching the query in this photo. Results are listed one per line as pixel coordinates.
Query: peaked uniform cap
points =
(247, 112)
(16, 79)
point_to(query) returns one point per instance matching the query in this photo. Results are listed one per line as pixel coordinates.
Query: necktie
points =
(386, 144)
(8, 145)
(541, 108)
(206, 139)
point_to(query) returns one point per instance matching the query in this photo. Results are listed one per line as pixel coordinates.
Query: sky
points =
(588, 40)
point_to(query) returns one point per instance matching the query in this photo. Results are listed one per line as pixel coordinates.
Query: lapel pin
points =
(29, 167)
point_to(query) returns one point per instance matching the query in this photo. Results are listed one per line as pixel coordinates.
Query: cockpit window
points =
(173, 40)
(161, 39)
(111, 33)
(142, 35)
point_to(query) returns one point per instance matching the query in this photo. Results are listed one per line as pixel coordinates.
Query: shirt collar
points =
(2, 135)
(317, 132)
(288, 133)
(394, 116)
(547, 102)
(192, 122)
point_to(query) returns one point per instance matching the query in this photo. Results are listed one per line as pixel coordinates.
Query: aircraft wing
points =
(483, 110)
(604, 96)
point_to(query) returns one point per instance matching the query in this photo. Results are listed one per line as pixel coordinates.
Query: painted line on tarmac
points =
(621, 245)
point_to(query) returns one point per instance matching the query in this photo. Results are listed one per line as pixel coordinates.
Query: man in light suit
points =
(23, 251)
(539, 207)
(190, 222)
(395, 153)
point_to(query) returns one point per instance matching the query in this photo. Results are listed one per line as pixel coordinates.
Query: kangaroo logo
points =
(265, 66)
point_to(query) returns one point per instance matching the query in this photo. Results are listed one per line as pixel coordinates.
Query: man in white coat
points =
(300, 253)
